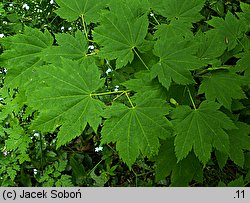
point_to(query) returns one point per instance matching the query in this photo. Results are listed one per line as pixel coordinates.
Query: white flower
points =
(5, 153)
(5, 70)
(91, 47)
(70, 28)
(10, 4)
(35, 171)
(26, 6)
(1, 99)
(108, 71)
(62, 28)
(151, 14)
(51, 1)
(36, 134)
(98, 149)
(116, 88)
(1, 35)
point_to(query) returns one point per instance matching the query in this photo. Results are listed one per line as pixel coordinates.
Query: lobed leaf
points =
(120, 32)
(71, 10)
(223, 86)
(201, 129)
(176, 62)
(65, 99)
(136, 129)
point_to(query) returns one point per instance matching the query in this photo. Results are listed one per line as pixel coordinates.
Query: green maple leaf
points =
(181, 173)
(136, 129)
(223, 86)
(143, 83)
(64, 99)
(24, 52)
(245, 15)
(230, 30)
(180, 13)
(187, 170)
(73, 9)
(173, 30)
(207, 51)
(243, 65)
(183, 10)
(201, 129)
(71, 47)
(176, 61)
(239, 141)
(166, 160)
(120, 32)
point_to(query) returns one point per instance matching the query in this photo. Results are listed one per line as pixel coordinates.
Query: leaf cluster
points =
(158, 79)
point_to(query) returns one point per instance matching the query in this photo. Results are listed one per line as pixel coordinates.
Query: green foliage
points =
(201, 129)
(134, 89)
(66, 94)
(72, 10)
(223, 86)
(125, 34)
(136, 129)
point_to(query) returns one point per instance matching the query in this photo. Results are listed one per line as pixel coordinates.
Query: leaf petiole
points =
(191, 98)
(140, 59)
(131, 103)
(84, 27)
(107, 93)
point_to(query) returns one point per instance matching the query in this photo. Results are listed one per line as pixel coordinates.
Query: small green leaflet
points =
(64, 99)
(70, 47)
(239, 141)
(176, 61)
(18, 142)
(120, 32)
(201, 129)
(23, 53)
(137, 129)
(230, 30)
(223, 86)
(73, 9)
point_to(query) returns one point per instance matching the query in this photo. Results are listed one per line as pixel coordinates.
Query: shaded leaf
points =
(231, 29)
(239, 141)
(223, 86)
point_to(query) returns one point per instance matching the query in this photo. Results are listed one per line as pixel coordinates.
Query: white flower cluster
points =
(4, 70)
(108, 71)
(1, 35)
(26, 6)
(116, 88)
(98, 149)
